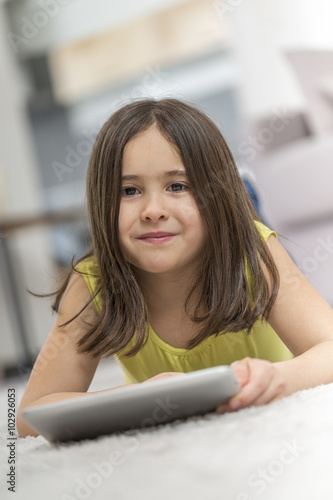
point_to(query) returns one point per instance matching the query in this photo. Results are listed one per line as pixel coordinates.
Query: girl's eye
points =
(175, 187)
(178, 186)
(129, 191)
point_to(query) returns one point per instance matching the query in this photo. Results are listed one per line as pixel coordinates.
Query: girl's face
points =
(160, 227)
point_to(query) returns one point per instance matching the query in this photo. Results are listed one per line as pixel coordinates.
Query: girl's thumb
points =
(241, 369)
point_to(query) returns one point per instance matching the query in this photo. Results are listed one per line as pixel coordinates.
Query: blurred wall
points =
(262, 32)
(20, 188)
(73, 20)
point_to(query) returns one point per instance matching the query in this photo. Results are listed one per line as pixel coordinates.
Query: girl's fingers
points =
(268, 396)
(265, 384)
(222, 409)
(249, 394)
(242, 371)
(254, 377)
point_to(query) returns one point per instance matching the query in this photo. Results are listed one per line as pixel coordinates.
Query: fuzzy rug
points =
(281, 451)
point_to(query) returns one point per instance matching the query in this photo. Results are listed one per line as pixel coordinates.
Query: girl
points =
(182, 274)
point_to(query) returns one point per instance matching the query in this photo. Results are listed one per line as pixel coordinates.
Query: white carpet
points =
(281, 451)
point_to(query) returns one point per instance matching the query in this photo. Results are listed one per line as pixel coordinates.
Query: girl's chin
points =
(155, 268)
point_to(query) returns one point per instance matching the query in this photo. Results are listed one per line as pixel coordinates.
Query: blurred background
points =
(262, 70)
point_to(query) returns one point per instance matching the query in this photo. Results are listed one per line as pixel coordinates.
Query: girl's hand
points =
(160, 376)
(261, 382)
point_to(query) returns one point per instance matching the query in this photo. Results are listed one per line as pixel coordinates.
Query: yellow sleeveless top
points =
(157, 356)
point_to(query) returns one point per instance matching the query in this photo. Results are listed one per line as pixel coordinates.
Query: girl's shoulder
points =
(88, 265)
(264, 231)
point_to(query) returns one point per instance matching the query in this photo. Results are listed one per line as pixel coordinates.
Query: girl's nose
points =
(154, 209)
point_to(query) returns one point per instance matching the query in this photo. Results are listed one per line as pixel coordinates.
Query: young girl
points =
(182, 274)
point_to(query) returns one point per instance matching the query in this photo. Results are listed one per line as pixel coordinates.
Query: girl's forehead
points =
(150, 149)
(151, 137)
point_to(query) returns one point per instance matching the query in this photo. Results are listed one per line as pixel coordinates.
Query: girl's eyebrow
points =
(169, 173)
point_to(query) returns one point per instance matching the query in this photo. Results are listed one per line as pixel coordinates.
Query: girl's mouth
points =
(158, 237)
(157, 240)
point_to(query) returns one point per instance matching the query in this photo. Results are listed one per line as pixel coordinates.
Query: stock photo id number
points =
(11, 441)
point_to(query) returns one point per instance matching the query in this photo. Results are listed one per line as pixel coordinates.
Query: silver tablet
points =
(134, 407)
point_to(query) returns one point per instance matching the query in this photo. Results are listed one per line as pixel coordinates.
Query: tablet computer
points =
(135, 406)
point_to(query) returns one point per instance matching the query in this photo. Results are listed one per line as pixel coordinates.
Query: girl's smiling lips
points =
(156, 237)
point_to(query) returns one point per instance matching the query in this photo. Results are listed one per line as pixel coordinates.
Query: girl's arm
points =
(59, 371)
(304, 322)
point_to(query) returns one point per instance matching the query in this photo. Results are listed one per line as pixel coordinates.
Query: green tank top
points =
(157, 356)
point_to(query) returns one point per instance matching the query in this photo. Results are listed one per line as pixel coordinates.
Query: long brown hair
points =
(235, 292)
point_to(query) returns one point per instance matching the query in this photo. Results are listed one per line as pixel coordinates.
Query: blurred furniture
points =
(295, 176)
(8, 262)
